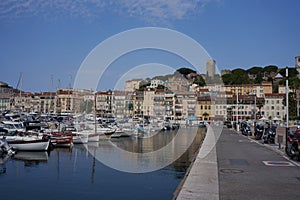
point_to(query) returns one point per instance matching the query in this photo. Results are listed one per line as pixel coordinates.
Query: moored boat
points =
(80, 138)
(29, 144)
(93, 137)
(61, 139)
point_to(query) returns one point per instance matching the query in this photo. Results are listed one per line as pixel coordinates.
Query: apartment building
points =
(132, 85)
(273, 108)
(185, 105)
(246, 89)
(104, 104)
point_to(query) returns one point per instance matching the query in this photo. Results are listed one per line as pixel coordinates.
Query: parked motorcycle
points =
(259, 130)
(246, 130)
(293, 145)
(269, 136)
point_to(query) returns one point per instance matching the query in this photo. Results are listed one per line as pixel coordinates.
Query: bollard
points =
(279, 140)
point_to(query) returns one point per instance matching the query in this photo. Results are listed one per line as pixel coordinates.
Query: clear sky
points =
(51, 38)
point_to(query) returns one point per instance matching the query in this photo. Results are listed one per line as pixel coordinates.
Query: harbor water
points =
(74, 173)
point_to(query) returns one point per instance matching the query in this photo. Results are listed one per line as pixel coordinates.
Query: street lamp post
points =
(287, 105)
(237, 111)
(254, 111)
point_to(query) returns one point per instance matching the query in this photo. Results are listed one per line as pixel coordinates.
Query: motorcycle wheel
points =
(289, 152)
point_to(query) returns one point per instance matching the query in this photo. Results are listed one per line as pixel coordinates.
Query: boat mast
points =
(19, 86)
(51, 84)
(95, 116)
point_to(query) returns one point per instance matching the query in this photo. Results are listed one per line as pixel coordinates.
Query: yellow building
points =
(248, 89)
(204, 108)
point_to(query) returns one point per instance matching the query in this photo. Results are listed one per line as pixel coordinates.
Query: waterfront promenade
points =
(240, 168)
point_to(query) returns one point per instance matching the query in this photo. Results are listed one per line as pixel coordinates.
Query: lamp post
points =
(287, 105)
(254, 111)
(237, 110)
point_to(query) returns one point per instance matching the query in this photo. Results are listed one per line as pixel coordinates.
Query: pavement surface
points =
(238, 167)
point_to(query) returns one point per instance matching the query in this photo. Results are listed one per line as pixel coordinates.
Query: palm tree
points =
(205, 115)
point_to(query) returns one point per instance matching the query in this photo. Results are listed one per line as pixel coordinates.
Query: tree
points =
(255, 70)
(258, 79)
(227, 79)
(292, 72)
(239, 76)
(205, 115)
(270, 68)
(185, 71)
(259, 105)
(199, 81)
(292, 105)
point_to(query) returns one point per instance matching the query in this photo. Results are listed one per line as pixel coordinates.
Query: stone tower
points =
(297, 65)
(211, 68)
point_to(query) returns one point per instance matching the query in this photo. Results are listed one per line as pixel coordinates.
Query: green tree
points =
(240, 76)
(292, 72)
(227, 79)
(199, 81)
(258, 79)
(292, 105)
(255, 70)
(259, 105)
(185, 71)
(270, 68)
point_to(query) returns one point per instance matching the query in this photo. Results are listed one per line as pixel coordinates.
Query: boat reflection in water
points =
(130, 154)
(31, 156)
(76, 172)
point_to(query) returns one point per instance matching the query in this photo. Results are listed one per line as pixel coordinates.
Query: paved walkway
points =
(240, 168)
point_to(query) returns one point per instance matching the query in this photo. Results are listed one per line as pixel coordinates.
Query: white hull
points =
(32, 145)
(80, 139)
(93, 138)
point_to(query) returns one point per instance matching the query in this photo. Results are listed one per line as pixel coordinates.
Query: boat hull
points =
(61, 140)
(93, 138)
(31, 145)
(80, 139)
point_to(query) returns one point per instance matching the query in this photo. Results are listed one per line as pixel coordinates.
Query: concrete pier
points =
(202, 179)
(232, 166)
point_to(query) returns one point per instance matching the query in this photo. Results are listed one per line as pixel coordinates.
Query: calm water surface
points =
(75, 174)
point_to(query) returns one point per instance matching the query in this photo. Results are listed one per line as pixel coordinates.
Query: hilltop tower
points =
(211, 68)
(297, 65)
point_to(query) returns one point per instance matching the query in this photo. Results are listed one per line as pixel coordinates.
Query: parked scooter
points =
(259, 130)
(293, 145)
(269, 135)
(246, 129)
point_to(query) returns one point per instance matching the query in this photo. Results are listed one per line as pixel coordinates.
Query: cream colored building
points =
(132, 85)
(250, 89)
(273, 107)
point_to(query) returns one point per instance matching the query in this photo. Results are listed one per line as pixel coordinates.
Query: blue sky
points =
(44, 39)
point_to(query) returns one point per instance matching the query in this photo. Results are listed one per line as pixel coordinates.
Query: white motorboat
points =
(26, 144)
